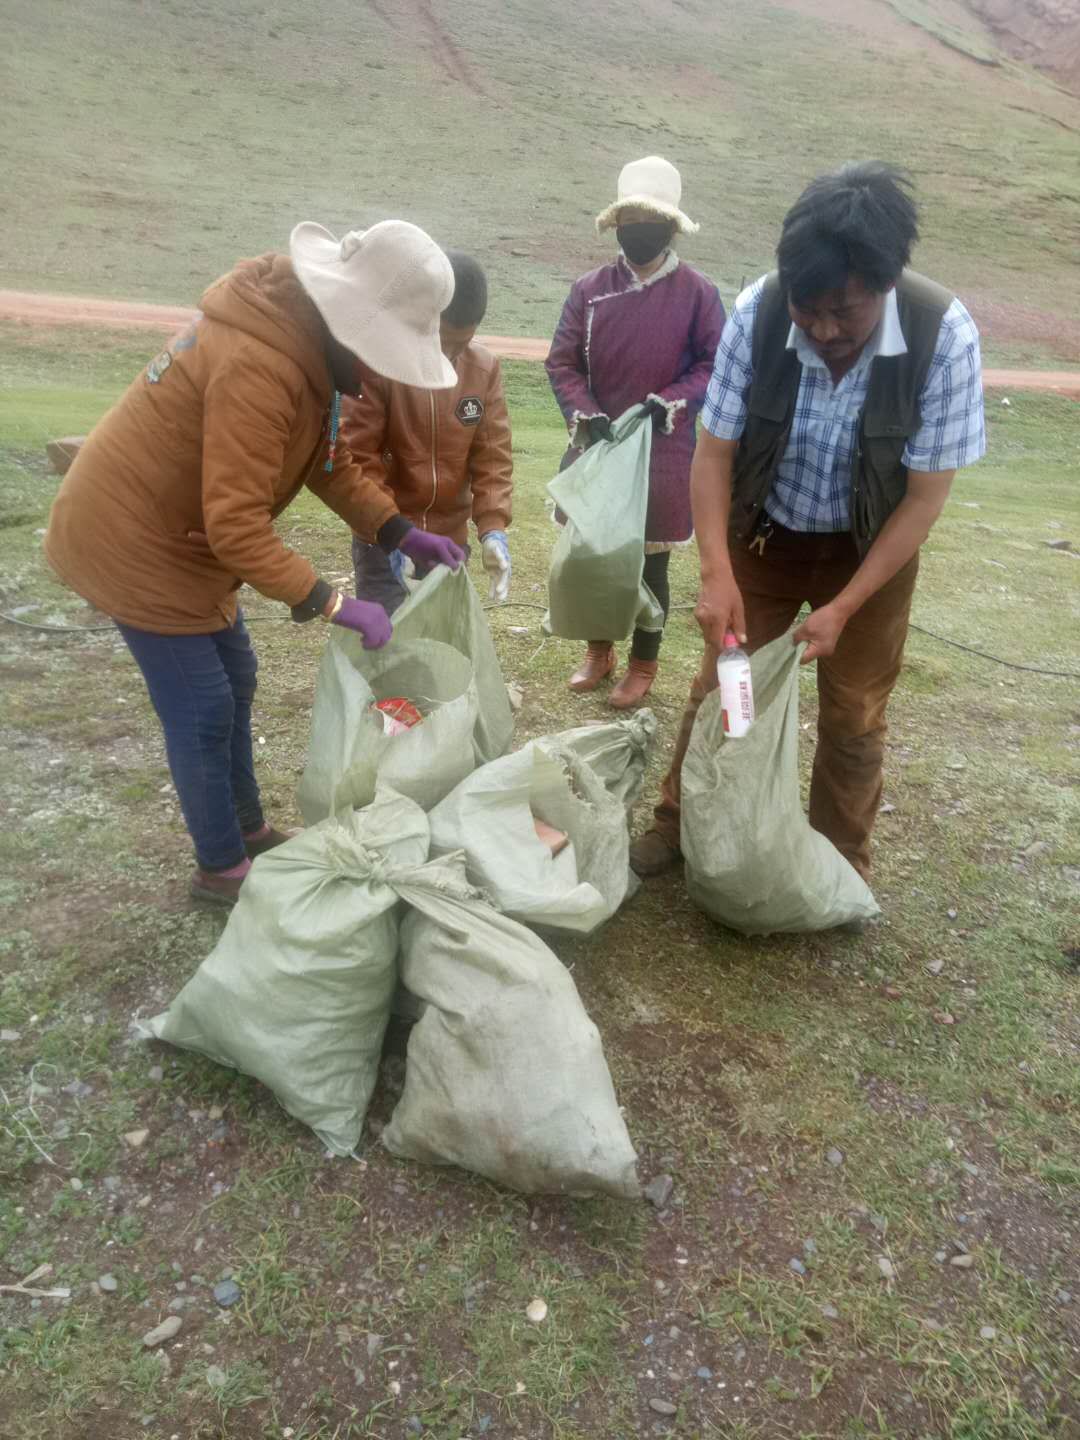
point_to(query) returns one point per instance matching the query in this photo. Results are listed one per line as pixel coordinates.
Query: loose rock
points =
(658, 1191)
(885, 1265)
(1065, 1296)
(963, 1262)
(663, 1407)
(536, 1310)
(988, 1333)
(374, 1345)
(9, 1037)
(830, 1312)
(797, 1265)
(935, 967)
(156, 1073)
(216, 1377)
(136, 1138)
(834, 1156)
(704, 1373)
(107, 1283)
(227, 1293)
(160, 1333)
(414, 1425)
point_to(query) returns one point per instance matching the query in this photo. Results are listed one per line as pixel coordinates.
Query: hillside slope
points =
(156, 143)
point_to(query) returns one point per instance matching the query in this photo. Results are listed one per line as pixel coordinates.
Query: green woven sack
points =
(441, 658)
(595, 585)
(297, 991)
(752, 860)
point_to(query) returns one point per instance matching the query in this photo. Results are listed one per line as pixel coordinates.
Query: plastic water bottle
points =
(736, 688)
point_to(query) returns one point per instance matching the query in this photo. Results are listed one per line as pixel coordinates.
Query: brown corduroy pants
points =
(854, 683)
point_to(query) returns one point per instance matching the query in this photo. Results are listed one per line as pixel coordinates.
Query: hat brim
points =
(609, 218)
(389, 347)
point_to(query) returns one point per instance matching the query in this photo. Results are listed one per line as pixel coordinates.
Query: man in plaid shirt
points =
(846, 393)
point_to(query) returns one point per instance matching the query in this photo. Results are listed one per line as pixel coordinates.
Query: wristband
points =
(339, 601)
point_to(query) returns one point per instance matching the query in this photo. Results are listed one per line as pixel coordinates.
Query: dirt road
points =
(42, 309)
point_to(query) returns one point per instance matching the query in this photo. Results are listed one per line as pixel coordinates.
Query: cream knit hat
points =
(381, 292)
(651, 184)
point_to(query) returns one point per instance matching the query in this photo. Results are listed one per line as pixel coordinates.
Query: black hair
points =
(470, 291)
(860, 220)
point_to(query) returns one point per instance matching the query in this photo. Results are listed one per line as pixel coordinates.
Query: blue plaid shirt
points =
(813, 481)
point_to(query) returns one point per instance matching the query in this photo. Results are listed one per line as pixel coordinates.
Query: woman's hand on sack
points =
(658, 412)
(821, 630)
(370, 621)
(424, 548)
(720, 609)
(599, 429)
(496, 557)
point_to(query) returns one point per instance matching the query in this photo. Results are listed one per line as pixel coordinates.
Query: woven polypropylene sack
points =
(505, 1073)
(595, 585)
(442, 659)
(617, 751)
(490, 817)
(752, 860)
(297, 991)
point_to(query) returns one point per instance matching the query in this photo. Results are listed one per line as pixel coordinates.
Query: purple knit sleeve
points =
(566, 365)
(684, 397)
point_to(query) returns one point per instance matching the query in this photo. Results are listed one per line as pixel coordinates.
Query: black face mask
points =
(644, 241)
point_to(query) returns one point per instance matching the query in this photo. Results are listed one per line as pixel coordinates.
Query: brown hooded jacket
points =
(169, 505)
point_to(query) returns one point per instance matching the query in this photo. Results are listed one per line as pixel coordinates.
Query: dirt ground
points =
(45, 309)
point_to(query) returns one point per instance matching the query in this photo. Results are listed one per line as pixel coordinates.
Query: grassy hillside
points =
(156, 142)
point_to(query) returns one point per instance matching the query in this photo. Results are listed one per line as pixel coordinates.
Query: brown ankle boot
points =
(651, 854)
(261, 842)
(634, 685)
(598, 664)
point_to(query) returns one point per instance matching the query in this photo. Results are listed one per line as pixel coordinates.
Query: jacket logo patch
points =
(157, 367)
(470, 410)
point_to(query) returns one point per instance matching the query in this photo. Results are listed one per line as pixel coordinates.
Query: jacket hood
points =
(263, 298)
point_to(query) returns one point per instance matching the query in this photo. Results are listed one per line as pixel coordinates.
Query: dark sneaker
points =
(266, 842)
(215, 889)
(652, 855)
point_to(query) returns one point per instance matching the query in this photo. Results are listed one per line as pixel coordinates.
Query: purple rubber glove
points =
(370, 621)
(428, 550)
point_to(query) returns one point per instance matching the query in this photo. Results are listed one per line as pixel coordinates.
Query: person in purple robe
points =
(642, 330)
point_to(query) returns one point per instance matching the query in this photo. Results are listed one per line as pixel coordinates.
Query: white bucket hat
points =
(381, 292)
(651, 184)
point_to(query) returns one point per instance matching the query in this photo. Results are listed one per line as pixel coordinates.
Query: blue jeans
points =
(202, 687)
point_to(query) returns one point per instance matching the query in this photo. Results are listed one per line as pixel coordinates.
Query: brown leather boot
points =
(215, 889)
(634, 685)
(264, 840)
(598, 664)
(651, 854)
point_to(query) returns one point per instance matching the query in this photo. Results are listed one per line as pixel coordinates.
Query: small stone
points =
(156, 1073)
(1065, 1296)
(658, 1191)
(78, 1089)
(9, 1037)
(663, 1407)
(75, 1183)
(108, 1283)
(830, 1312)
(1058, 544)
(703, 1372)
(394, 1387)
(359, 1377)
(216, 1377)
(515, 695)
(809, 1247)
(374, 1345)
(136, 1138)
(951, 914)
(536, 1311)
(887, 808)
(111, 1183)
(414, 1425)
(988, 1333)
(963, 1261)
(483, 1425)
(215, 1112)
(929, 1323)
(834, 1156)
(969, 1167)
(160, 1333)
(227, 1293)
(941, 1256)
(885, 1265)
(797, 1265)
(935, 967)
(180, 1302)
(943, 1017)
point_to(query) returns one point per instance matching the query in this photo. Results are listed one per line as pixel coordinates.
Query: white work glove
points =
(497, 564)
